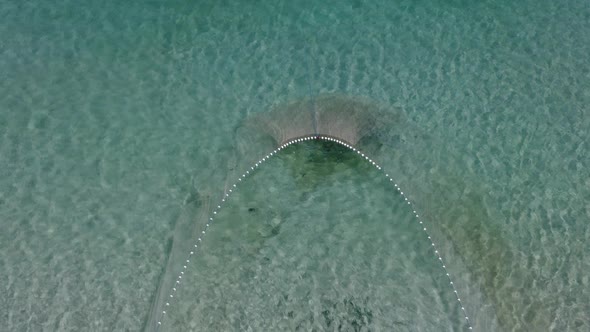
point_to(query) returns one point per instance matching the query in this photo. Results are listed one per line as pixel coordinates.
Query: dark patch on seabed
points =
(349, 314)
(313, 163)
(473, 230)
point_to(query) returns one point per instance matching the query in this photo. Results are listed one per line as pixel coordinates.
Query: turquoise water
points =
(119, 127)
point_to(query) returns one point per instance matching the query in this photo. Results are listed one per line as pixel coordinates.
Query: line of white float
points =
(232, 189)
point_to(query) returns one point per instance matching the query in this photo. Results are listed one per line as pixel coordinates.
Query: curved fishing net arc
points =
(181, 278)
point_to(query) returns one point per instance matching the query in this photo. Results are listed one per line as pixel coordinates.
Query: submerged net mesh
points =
(195, 211)
(354, 120)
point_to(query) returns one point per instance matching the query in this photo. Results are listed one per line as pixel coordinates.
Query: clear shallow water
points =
(114, 117)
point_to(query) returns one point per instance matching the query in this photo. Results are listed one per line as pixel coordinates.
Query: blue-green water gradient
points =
(114, 115)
